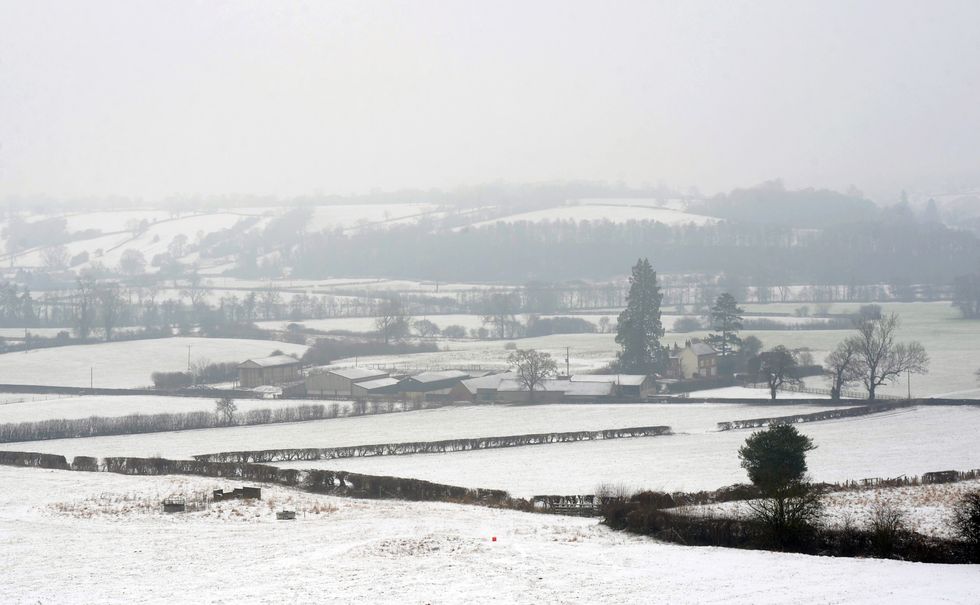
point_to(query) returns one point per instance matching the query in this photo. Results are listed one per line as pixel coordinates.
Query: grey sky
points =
(170, 98)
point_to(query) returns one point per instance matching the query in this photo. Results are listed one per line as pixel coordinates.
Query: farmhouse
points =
(339, 382)
(624, 385)
(695, 360)
(277, 369)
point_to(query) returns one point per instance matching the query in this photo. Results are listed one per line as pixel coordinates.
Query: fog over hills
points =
(226, 98)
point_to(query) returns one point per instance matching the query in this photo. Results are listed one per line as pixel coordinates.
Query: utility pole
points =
(567, 371)
(908, 381)
(91, 378)
(188, 359)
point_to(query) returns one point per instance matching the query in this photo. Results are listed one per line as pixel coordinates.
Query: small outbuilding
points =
(624, 385)
(481, 388)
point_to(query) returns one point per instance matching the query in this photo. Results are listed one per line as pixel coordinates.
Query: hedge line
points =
(429, 447)
(339, 483)
(863, 410)
(96, 426)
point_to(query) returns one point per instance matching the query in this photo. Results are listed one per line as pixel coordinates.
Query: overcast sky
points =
(153, 99)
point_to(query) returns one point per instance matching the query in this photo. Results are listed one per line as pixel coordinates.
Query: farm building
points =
(339, 382)
(625, 385)
(695, 360)
(277, 369)
(481, 388)
(555, 390)
(427, 382)
(378, 386)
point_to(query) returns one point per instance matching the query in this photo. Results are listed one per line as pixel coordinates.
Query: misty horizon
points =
(138, 101)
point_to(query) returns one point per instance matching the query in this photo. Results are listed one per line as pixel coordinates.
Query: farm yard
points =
(386, 551)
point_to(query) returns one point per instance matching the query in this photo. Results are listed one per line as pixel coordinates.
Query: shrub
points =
(887, 527)
(687, 324)
(966, 521)
(172, 380)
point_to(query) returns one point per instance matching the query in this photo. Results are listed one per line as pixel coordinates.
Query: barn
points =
(624, 385)
(277, 369)
(339, 382)
(426, 382)
(378, 386)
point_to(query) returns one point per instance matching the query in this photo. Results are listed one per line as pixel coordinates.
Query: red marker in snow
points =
(494, 538)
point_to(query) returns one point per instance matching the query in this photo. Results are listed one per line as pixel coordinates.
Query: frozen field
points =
(127, 364)
(424, 425)
(341, 550)
(927, 509)
(906, 442)
(16, 407)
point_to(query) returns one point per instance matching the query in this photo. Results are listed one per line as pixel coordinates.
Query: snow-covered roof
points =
(585, 389)
(629, 380)
(490, 381)
(269, 362)
(379, 383)
(426, 377)
(358, 374)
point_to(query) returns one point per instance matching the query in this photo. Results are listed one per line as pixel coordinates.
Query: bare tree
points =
(499, 309)
(110, 307)
(85, 306)
(392, 322)
(532, 367)
(841, 366)
(195, 290)
(132, 262)
(880, 358)
(225, 408)
(55, 257)
(426, 328)
(777, 368)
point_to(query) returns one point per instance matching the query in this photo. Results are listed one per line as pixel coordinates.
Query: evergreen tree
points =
(726, 318)
(639, 328)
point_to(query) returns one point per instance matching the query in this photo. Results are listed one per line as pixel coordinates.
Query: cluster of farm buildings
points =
(282, 375)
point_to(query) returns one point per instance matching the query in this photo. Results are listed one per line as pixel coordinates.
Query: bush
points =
(687, 324)
(888, 527)
(966, 521)
(537, 326)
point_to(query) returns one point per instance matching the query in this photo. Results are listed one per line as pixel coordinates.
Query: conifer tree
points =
(639, 329)
(726, 318)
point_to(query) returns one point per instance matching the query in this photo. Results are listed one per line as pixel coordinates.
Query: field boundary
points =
(864, 410)
(429, 447)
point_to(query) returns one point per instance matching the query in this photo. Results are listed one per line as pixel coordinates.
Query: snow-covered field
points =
(747, 393)
(15, 407)
(91, 537)
(615, 213)
(906, 442)
(425, 425)
(926, 509)
(127, 364)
